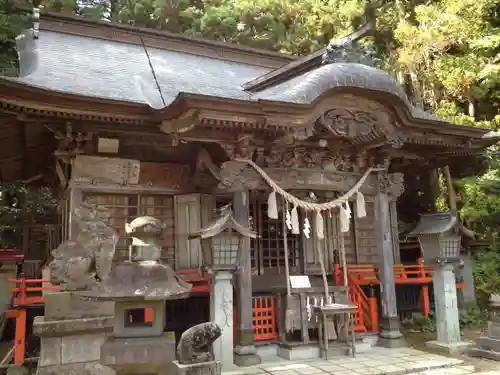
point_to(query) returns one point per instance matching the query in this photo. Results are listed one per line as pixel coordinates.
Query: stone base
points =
(246, 360)
(484, 353)
(205, 368)
(392, 343)
(453, 349)
(246, 356)
(361, 347)
(69, 305)
(489, 343)
(131, 356)
(487, 347)
(301, 352)
(392, 339)
(89, 368)
(298, 352)
(72, 346)
(371, 338)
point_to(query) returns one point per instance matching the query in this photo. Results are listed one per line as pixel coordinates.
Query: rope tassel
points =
(344, 220)
(288, 218)
(320, 226)
(360, 205)
(295, 221)
(272, 206)
(307, 228)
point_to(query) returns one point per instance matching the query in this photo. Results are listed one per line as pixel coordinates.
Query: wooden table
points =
(331, 312)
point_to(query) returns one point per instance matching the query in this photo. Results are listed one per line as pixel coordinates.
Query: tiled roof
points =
(120, 71)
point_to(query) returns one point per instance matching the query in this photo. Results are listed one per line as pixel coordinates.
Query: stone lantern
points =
(139, 345)
(221, 243)
(440, 241)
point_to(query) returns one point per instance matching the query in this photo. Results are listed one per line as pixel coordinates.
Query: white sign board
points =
(300, 282)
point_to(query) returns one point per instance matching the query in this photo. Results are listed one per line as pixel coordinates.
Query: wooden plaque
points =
(163, 174)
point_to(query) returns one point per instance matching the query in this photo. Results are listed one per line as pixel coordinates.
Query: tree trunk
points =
(452, 195)
(417, 92)
(452, 202)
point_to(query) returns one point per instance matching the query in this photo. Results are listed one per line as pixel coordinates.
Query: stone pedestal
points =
(205, 368)
(221, 313)
(489, 346)
(447, 323)
(72, 345)
(144, 355)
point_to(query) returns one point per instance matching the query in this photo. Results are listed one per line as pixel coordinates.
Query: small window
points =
(139, 318)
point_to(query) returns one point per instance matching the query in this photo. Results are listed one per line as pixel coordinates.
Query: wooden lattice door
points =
(162, 208)
(268, 250)
(123, 208)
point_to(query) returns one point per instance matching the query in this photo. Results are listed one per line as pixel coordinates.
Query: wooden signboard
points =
(95, 169)
(163, 175)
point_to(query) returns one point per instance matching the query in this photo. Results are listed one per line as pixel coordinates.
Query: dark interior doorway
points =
(182, 314)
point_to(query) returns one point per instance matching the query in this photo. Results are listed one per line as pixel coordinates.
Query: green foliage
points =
(446, 52)
(20, 205)
(472, 317)
(486, 274)
(420, 323)
(467, 316)
(12, 22)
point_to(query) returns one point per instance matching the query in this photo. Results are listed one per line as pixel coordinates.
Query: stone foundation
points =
(205, 368)
(488, 346)
(72, 345)
(139, 355)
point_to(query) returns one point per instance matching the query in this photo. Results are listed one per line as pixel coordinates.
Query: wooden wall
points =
(128, 191)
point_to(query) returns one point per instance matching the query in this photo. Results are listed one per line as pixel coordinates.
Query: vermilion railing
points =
(11, 255)
(367, 274)
(366, 316)
(26, 292)
(201, 284)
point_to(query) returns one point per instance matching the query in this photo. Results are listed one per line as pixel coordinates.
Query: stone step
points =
(484, 353)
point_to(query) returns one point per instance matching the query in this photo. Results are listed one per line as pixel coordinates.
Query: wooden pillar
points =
(395, 230)
(390, 335)
(245, 353)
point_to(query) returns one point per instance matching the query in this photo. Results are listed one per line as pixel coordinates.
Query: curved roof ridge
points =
(308, 87)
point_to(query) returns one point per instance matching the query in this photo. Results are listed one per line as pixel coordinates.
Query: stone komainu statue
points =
(80, 264)
(195, 344)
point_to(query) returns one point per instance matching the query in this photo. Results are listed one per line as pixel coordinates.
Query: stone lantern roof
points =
(436, 223)
(225, 221)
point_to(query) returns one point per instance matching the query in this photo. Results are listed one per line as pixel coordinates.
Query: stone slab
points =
(494, 329)
(484, 353)
(139, 355)
(43, 327)
(453, 348)
(205, 368)
(69, 305)
(91, 368)
(243, 360)
(488, 343)
(81, 348)
(84, 348)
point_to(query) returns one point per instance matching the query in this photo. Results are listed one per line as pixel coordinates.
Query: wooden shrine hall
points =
(312, 152)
